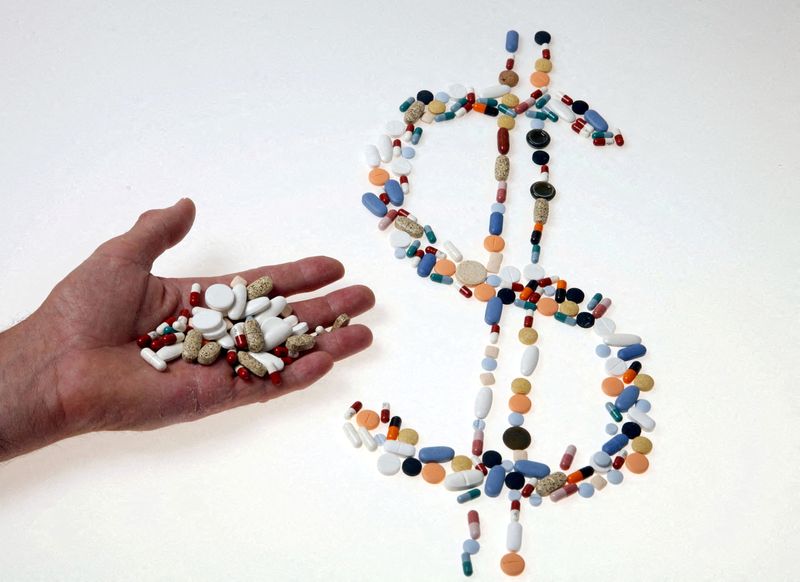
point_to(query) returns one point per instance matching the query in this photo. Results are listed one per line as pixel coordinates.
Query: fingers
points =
(353, 301)
(300, 276)
(343, 342)
(154, 232)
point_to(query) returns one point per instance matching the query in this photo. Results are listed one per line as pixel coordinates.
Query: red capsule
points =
(287, 360)
(402, 211)
(171, 320)
(495, 328)
(420, 253)
(527, 491)
(528, 322)
(545, 169)
(156, 344)
(168, 339)
(232, 358)
(194, 298)
(239, 337)
(581, 121)
(502, 140)
(501, 195)
(465, 291)
(517, 287)
(545, 53)
(566, 100)
(482, 468)
(515, 505)
(619, 140)
(404, 179)
(618, 462)
(275, 378)
(545, 282)
(280, 351)
(471, 97)
(536, 94)
(567, 458)
(576, 127)
(186, 313)
(242, 372)
(603, 141)
(385, 413)
(509, 64)
(477, 443)
(534, 297)
(384, 198)
(431, 250)
(143, 341)
(468, 106)
(523, 106)
(410, 127)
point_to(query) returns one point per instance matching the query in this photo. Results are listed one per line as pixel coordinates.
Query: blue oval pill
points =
(596, 120)
(426, 264)
(627, 398)
(399, 253)
(532, 469)
(374, 204)
(643, 405)
(489, 364)
(394, 191)
(586, 490)
(601, 459)
(631, 352)
(494, 309)
(442, 96)
(512, 41)
(516, 419)
(615, 444)
(471, 547)
(436, 454)
(493, 280)
(496, 223)
(614, 477)
(495, 481)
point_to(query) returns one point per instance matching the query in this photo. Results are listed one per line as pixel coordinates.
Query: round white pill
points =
(604, 326)
(615, 366)
(401, 167)
(457, 91)
(206, 319)
(395, 128)
(219, 297)
(510, 273)
(388, 464)
(399, 239)
(531, 271)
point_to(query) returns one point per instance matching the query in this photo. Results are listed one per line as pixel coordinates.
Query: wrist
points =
(30, 411)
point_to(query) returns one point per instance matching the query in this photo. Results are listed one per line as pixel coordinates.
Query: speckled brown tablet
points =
(509, 78)
(259, 287)
(342, 321)
(550, 483)
(407, 225)
(501, 168)
(249, 362)
(208, 353)
(191, 345)
(300, 343)
(541, 210)
(414, 112)
(255, 337)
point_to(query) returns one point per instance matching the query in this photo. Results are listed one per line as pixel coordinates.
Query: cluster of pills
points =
(500, 287)
(258, 334)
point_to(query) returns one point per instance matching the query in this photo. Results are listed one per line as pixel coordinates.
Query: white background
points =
(259, 112)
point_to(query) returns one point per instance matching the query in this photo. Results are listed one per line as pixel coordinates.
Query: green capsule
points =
(412, 249)
(614, 411)
(429, 234)
(542, 101)
(443, 279)
(469, 495)
(406, 104)
(416, 135)
(551, 115)
(466, 564)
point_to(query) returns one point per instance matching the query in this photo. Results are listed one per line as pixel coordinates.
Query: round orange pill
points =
(378, 176)
(519, 403)
(369, 419)
(612, 386)
(637, 463)
(546, 306)
(540, 79)
(512, 564)
(494, 243)
(445, 267)
(433, 473)
(483, 292)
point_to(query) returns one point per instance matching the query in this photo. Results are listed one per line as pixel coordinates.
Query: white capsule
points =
(367, 439)
(452, 251)
(483, 402)
(529, 361)
(351, 433)
(638, 416)
(181, 323)
(396, 151)
(196, 288)
(620, 340)
(514, 536)
(384, 146)
(300, 328)
(239, 301)
(399, 448)
(169, 353)
(151, 358)
(462, 480)
(494, 91)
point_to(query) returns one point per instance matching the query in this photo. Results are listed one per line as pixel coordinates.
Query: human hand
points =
(73, 366)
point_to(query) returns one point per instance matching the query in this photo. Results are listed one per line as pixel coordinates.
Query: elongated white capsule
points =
(642, 418)
(452, 251)
(462, 480)
(351, 433)
(239, 301)
(399, 448)
(514, 536)
(494, 91)
(366, 438)
(151, 358)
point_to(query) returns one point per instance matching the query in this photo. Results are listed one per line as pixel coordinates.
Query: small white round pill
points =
(388, 464)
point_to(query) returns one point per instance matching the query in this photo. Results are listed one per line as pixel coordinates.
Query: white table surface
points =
(259, 112)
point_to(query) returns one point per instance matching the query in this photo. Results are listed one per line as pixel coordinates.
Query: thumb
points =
(154, 232)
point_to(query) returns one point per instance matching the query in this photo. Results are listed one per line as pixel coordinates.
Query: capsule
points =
(408, 133)
(561, 291)
(568, 457)
(143, 340)
(619, 460)
(355, 407)
(477, 442)
(542, 101)
(502, 140)
(594, 301)
(536, 252)
(412, 249)
(603, 141)
(614, 411)
(466, 564)
(474, 523)
(232, 358)
(509, 63)
(406, 104)
(416, 135)
(394, 428)
(566, 100)
(194, 296)
(564, 318)
(446, 116)
(385, 413)
(580, 475)
(565, 491)
(601, 134)
(506, 110)
(429, 234)
(469, 495)
(631, 373)
(465, 291)
(618, 139)
(239, 337)
(242, 372)
(523, 106)
(601, 308)
(527, 491)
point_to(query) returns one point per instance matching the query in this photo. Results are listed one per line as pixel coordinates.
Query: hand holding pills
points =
(72, 366)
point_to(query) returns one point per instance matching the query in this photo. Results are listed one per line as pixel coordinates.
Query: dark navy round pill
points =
(412, 467)
(580, 107)
(425, 96)
(543, 190)
(515, 480)
(537, 138)
(540, 157)
(542, 37)
(507, 296)
(575, 295)
(491, 458)
(585, 319)
(631, 430)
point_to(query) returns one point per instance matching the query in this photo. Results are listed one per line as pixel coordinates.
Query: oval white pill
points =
(217, 333)
(483, 402)
(351, 433)
(399, 239)
(388, 464)
(457, 91)
(256, 306)
(640, 417)
(529, 361)
(151, 358)
(271, 361)
(371, 156)
(463, 480)
(620, 340)
(239, 301)
(399, 448)
(514, 536)
(276, 307)
(219, 297)
(510, 273)
(401, 167)
(561, 109)
(395, 128)
(384, 146)
(494, 91)
(169, 353)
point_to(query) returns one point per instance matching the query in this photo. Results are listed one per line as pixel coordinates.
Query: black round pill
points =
(575, 295)
(580, 107)
(537, 138)
(517, 438)
(540, 157)
(507, 296)
(542, 37)
(585, 319)
(412, 467)
(425, 96)
(491, 458)
(543, 190)
(631, 430)
(515, 480)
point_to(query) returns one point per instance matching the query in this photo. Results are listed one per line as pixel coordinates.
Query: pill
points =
(604, 326)
(385, 414)
(474, 524)
(631, 352)
(514, 536)
(462, 480)
(433, 473)
(627, 398)
(615, 366)
(512, 564)
(611, 428)
(641, 404)
(530, 358)
(209, 353)
(366, 438)
(371, 156)
(596, 120)
(598, 481)
(368, 419)
(483, 402)
(603, 351)
(601, 459)
(640, 417)
(614, 477)
(352, 435)
(615, 444)
(436, 454)
(205, 320)
(532, 469)
(494, 309)
(580, 474)
(399, 448)
(585, 490)
(494, 481)
(426, 265)
(621, 339)
(191, 345)
(644, 382)
(512, 41)
(637, 463)
(153, 359)
(411, 467)
(535, 500)
(394, 191)
(567, 457)
(384, 146)
(631, 430)
(461, 463)
(642, 444)
(408, 435)
(516, 438)
(388, 464)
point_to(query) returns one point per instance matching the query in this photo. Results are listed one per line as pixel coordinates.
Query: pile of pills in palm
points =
(477, 471)
(258, 334)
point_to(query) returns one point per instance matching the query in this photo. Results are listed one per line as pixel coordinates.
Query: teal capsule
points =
(488, 101)
(458, 104)
(614, 411)
(429, 233)
(469, 495)
(447, 116)
(564, 318)
(412, 249)
(529, 305)
(466, 564)
(406, 104)
(536, 114)
(551, 115)
(535, 252)
(416, 135)
(542, 101)
(594, 301)
(443, 279)
(603, 134)
(506, 110)
(169, 329)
